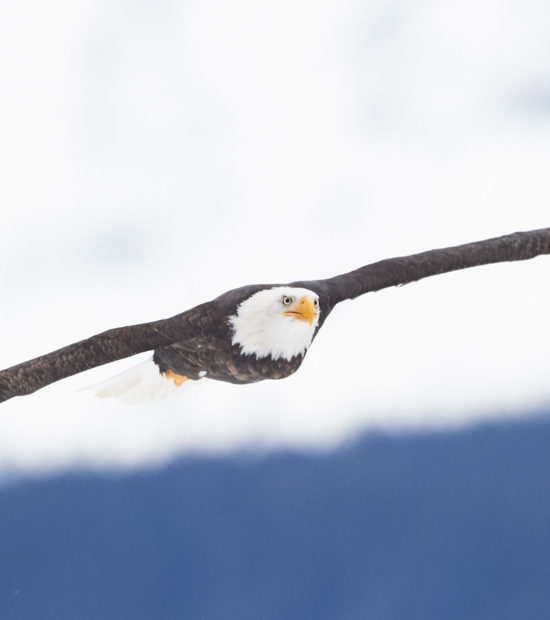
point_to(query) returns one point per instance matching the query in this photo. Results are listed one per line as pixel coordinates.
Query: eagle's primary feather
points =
(205, 340)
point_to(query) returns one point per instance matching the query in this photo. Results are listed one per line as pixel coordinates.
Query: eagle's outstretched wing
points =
(405, 269)
(100, 349)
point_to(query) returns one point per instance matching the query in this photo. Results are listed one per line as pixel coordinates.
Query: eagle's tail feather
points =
(139, 384)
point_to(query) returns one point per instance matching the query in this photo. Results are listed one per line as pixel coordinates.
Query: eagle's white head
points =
(278, 322)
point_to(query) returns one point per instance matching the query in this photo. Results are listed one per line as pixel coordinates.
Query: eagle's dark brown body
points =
(211, 347)
(224, 362)
(200, 339)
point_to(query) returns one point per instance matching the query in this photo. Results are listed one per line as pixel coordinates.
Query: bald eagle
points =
(252, 333)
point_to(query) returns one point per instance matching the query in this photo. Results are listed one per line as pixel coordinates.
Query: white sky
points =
(156, 154)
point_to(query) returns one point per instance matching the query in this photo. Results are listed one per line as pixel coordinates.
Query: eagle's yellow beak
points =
(303, 310)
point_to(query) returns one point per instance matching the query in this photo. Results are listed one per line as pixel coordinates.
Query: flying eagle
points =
(255, 332)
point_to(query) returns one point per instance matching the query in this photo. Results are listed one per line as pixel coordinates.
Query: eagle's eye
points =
(315, 303)
(286, 300)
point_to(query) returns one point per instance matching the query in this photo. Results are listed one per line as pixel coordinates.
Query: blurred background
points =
(157, 154)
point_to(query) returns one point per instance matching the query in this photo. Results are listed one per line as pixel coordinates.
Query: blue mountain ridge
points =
(415, 526)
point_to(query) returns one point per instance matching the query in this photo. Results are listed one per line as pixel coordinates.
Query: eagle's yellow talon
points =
(178, 379)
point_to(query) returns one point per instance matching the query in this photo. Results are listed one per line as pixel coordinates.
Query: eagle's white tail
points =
(138, 385)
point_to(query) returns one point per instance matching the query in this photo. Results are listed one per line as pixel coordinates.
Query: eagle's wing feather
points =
(402, 270)
(100, 349)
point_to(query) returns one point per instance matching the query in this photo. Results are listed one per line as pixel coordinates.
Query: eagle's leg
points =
(178, 379)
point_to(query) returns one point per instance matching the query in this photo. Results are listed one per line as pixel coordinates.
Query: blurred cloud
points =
(156, 155)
